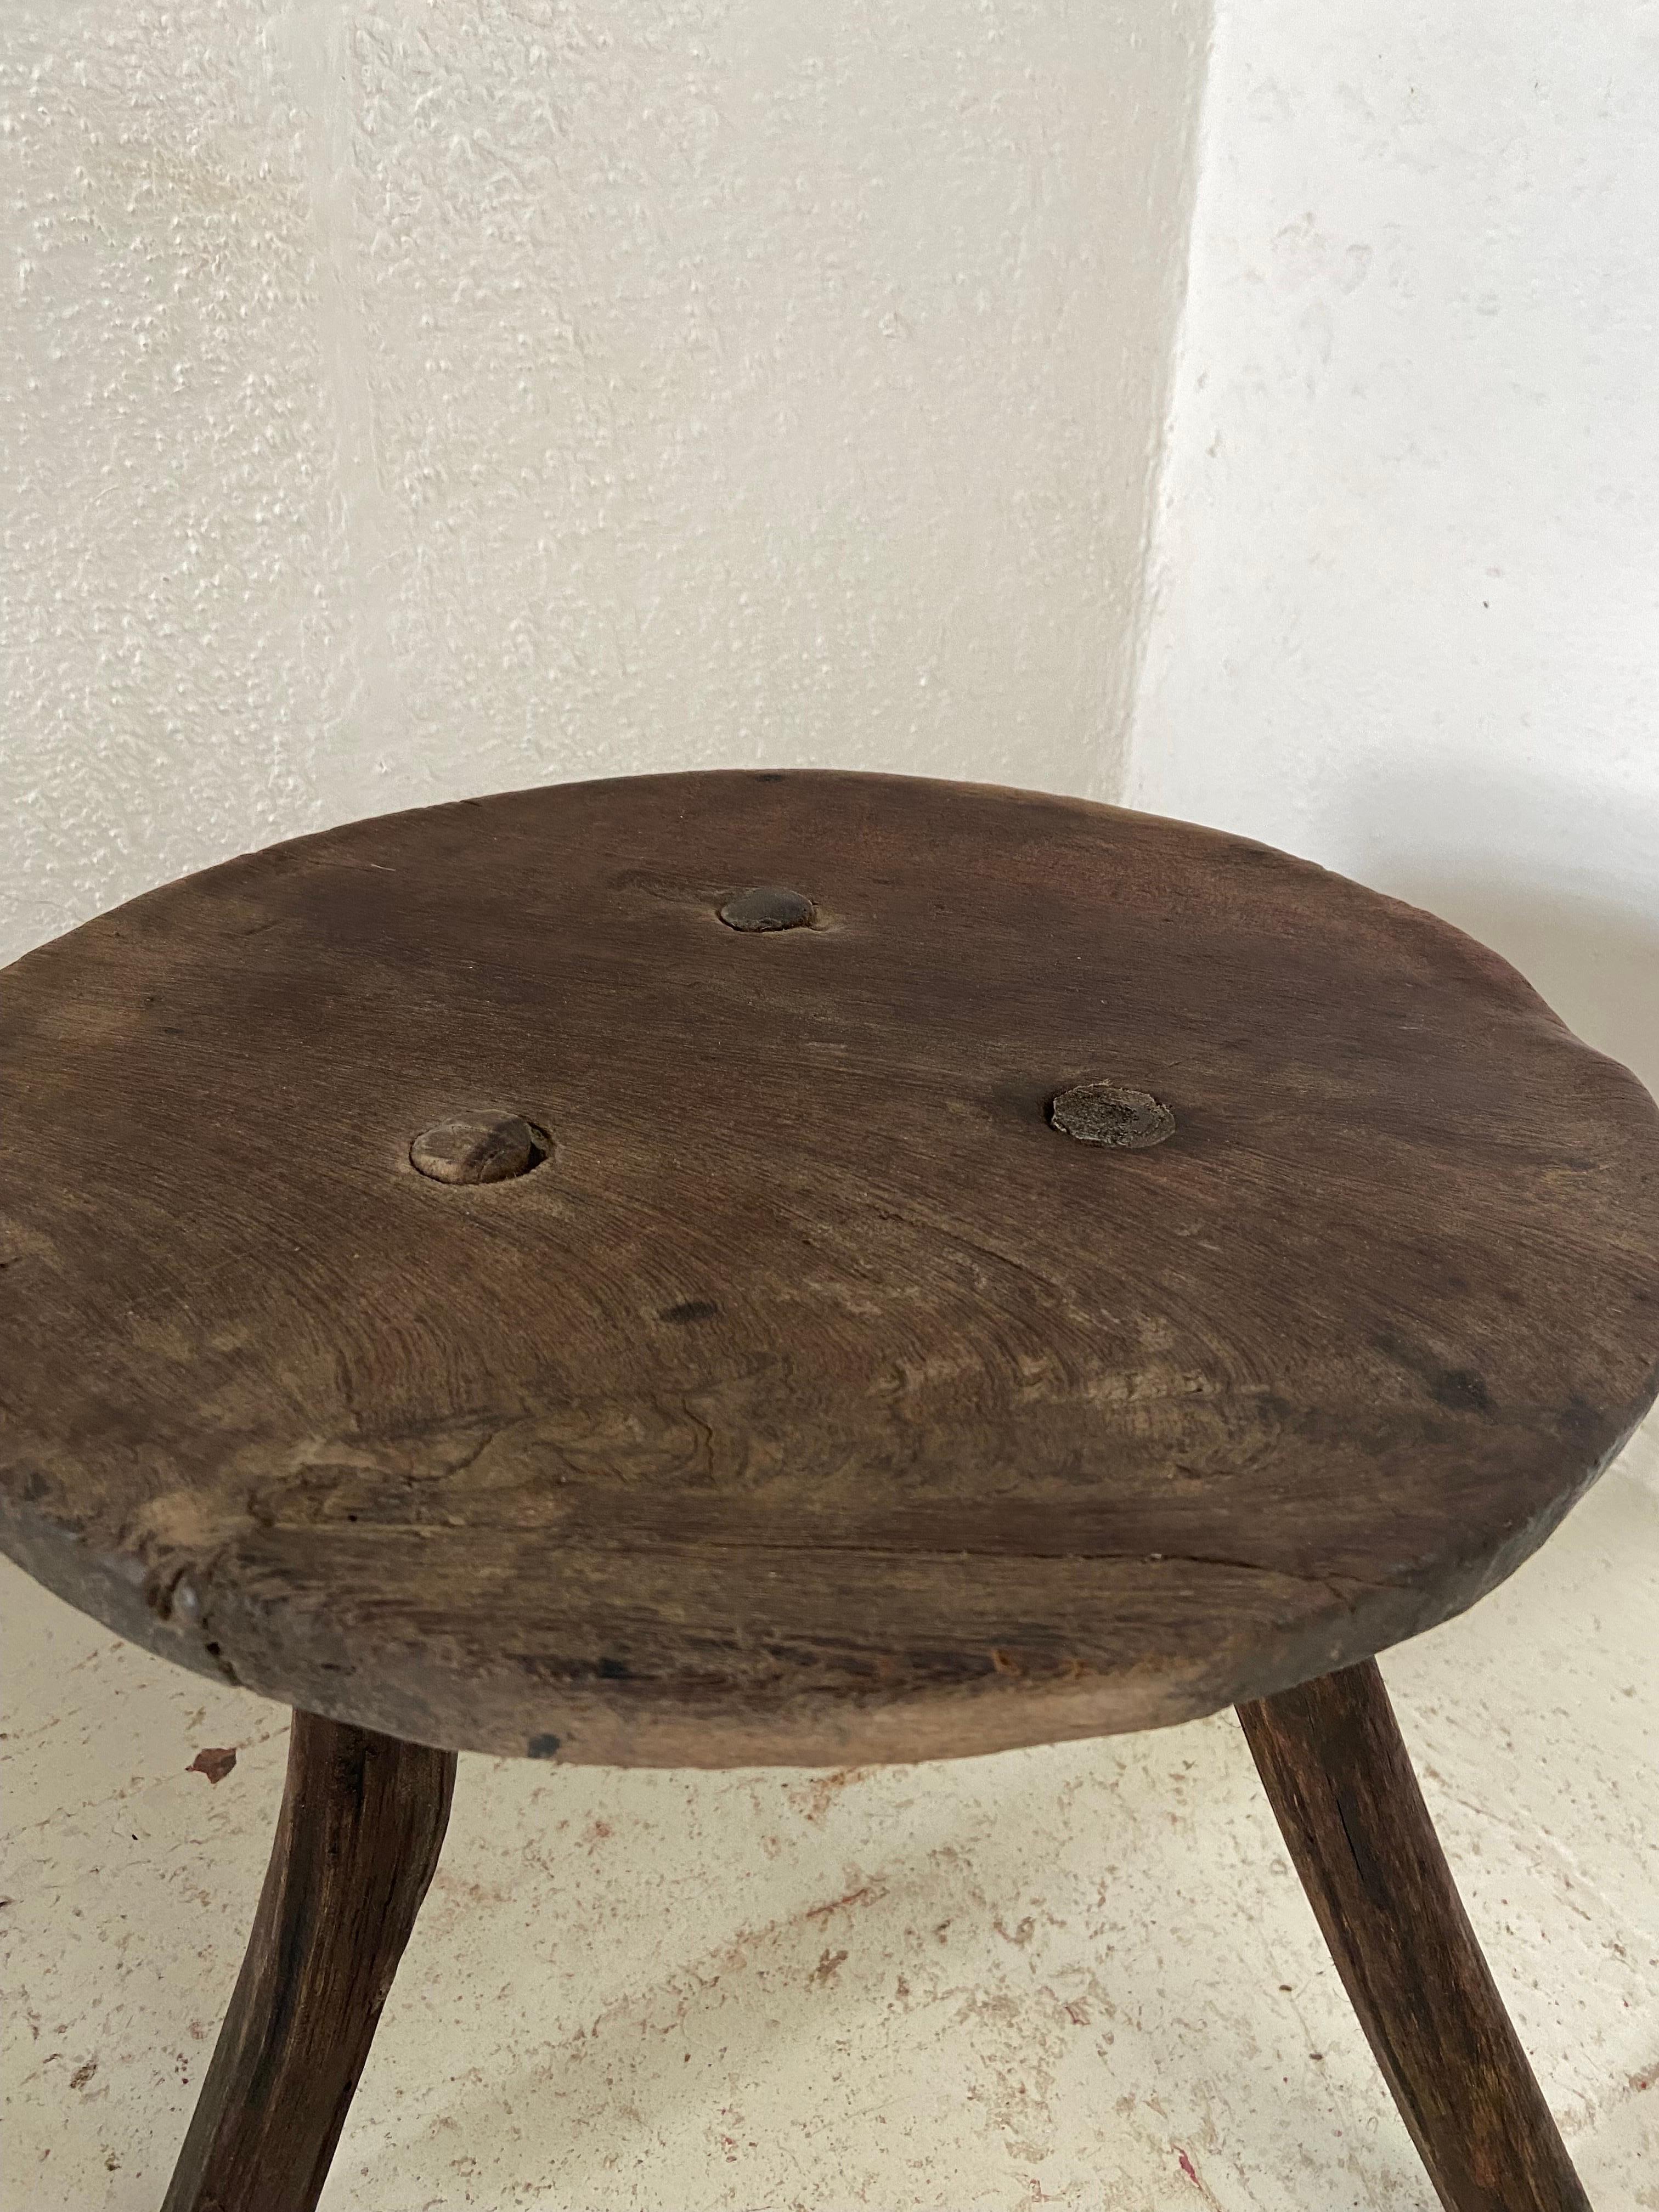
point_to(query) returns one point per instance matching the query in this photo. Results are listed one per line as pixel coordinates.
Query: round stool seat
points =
(751, 1267)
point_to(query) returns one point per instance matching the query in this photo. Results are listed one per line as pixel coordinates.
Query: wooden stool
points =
(809, 1268)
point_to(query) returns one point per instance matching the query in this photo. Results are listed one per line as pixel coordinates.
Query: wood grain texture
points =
(357, 1839)
(1340, 1783)
(815, 1400)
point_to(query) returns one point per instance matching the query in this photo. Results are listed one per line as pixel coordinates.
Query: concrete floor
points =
(1082, 1976)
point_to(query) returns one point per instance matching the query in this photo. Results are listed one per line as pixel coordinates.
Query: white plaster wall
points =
(1405, 616)
(404, 401)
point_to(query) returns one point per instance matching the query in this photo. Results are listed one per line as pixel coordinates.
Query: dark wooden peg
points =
(1112, 1113)
(478, 1148)
(768, 908)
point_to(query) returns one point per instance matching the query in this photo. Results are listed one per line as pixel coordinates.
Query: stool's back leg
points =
(1338, 1776)
(362, 1818)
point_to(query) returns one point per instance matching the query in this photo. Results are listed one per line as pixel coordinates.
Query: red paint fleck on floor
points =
(853, 1896)
(1186, 2169)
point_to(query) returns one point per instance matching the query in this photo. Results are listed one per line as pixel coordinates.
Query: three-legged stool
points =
(805, 1268)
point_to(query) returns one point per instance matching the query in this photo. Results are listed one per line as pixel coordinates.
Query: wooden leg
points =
(362, 1818)
(1339, 1779)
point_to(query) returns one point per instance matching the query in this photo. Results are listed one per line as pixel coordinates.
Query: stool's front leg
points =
(1337, 1774)
(362, 1819)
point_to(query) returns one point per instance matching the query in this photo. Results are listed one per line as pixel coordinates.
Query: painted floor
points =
(1082, 1976)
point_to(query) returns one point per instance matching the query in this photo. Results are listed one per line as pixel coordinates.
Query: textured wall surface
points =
(404, 402)
(1406, 614)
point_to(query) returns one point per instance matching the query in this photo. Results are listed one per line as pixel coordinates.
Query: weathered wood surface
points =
(1340, 1783)
(815, 1398)
(357, 1839)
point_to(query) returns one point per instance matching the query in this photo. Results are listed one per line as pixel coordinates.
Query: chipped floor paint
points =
(1082, 1976)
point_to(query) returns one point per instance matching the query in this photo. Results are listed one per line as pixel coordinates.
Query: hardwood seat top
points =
(806, 1384)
